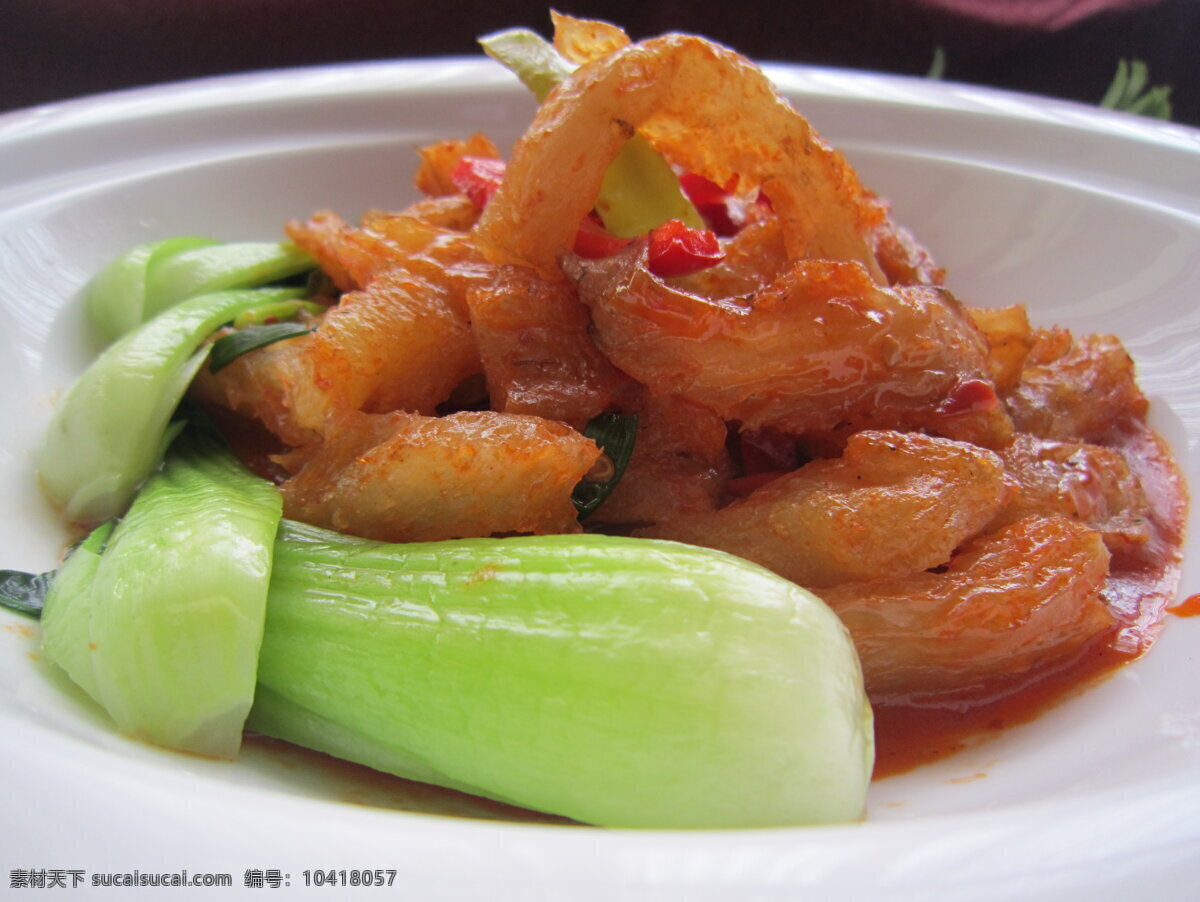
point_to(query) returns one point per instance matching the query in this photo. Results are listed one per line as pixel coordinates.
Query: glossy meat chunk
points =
(537, 353)
(407, 478)
(1009, 339)
(678, 469)
(349, 259)
(823, 348)
(438, 253)
(353, 256)
(893, 503)
(401, 343)
(399, 338)
(1087, 483)
(272, 385)
(1076, 388)
(1013, 604)
(450, 211)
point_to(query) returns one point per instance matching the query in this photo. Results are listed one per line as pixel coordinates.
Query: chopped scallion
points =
(615, 434)
(24, 593)
(229, 348)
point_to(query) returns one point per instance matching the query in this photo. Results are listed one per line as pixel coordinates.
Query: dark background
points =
(57, 49)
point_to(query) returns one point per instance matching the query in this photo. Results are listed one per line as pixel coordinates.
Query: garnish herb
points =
(229, 348)
(24, 593)
(615, 434)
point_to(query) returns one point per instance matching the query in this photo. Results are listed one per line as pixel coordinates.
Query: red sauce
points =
(907, 737)
(1139, 589)
(1189, 607)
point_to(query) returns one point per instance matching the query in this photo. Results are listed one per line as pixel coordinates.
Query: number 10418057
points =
(343, 877)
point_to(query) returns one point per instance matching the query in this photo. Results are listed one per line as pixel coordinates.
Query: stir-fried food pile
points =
(650, 477)
(979, 499)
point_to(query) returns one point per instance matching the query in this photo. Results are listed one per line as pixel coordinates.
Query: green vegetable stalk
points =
(160, 618)
(149, 278)
(617, 681)
(221, 267)
(116, 296)
(110, 429)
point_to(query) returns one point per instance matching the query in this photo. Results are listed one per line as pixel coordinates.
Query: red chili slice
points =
(478, 178)
(722, 211)
(676, 249)
(594, 241)
(971, 396)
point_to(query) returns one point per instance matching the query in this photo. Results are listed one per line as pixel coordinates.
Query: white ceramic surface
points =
(1091, 219)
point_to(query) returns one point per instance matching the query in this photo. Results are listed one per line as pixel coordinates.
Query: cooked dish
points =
(674, 313)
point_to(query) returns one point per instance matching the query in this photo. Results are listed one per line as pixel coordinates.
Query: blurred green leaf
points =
(937, 66)
(1129, 92)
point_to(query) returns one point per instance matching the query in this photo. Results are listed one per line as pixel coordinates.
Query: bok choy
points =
(149, 278)
(617, 681)
(116, 296)
(110, 429)
(160, 618)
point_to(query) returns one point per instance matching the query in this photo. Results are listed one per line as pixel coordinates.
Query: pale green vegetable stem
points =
(116, 297)
(621, 682)
(149, 278)
(222, 267)
(163, 626)
(108, 432)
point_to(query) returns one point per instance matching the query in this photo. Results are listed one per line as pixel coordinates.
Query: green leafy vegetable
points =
(160, 618)
(111, 428)
(530, 57)
(278, 312)
(229, 348)
(220, 267)
(116, 297)
(615, 434)
(24, 593)
(937, 65)
(616, 681)
(1129, 91)
(640, 190)
(66, 616)
(622, 682)
(259, 327)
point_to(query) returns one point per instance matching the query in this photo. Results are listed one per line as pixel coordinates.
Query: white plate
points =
(1091, 219)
